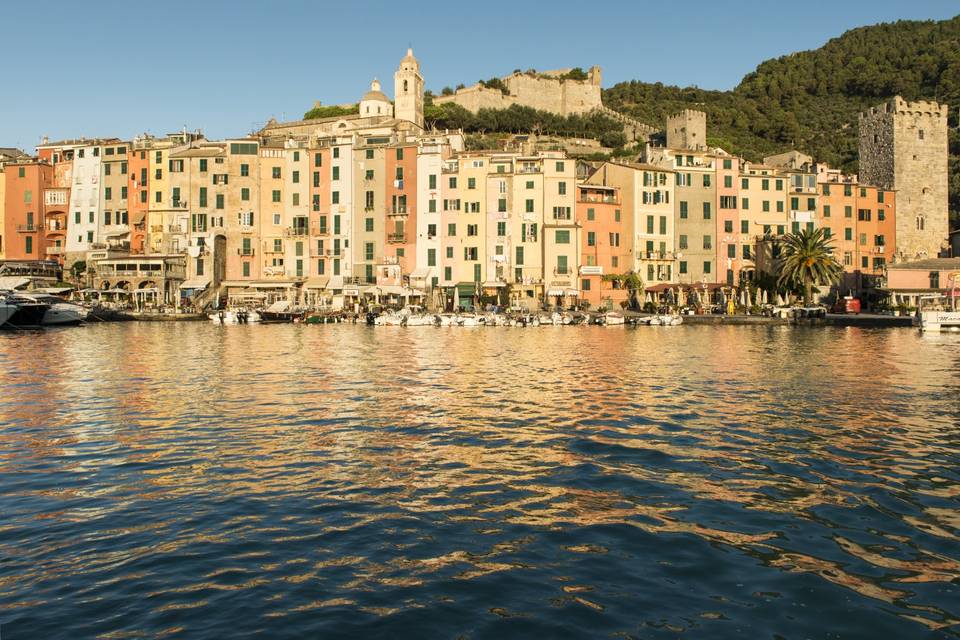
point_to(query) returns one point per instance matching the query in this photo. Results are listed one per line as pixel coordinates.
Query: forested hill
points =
(810, 100)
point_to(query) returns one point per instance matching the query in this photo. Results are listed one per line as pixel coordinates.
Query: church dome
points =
(375, 93)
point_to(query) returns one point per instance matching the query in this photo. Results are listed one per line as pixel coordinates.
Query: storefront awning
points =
(319, 282)
(421, 274)
(468, 289)
(336, 283)
(201, 283)
(554, 291)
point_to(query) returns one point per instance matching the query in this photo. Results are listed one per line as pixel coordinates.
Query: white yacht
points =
(936, 314)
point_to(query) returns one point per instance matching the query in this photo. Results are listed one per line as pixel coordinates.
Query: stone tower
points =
(408, 90)
(903, 146)
(687, 130)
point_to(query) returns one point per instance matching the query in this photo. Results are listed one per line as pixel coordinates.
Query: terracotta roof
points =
(930, 264)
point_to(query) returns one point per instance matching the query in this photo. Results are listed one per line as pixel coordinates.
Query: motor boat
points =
(28, 313)
(935, 314)
(279, 311)
(61, 312)
(234, 316)
(469, 320)
(7, 309)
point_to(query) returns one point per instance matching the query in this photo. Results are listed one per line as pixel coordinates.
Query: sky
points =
(109, 68)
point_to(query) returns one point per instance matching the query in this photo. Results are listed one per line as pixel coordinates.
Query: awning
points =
(114, 234)
(555, 292)
(319, 282)
(200, 283)
(13, 282)
(336, 282)
(421, 274)
(468, 289)
(573, 292)
(660, 288)
(56, 291)
(494, 285)
(393, 290)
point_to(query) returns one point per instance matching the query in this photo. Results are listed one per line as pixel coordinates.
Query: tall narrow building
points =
(903, 147)
(408, 90)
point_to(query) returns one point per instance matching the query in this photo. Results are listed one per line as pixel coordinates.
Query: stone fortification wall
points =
(544, 91)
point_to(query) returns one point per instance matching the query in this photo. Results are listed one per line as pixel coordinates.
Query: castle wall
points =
(903, 146)
(541, 92)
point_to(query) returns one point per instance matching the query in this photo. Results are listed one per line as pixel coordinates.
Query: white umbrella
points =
(780, 301)
(743, 297)
(764, 296)
(456, 297)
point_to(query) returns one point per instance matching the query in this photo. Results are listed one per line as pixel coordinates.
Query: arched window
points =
(404, 86)
(920, 223)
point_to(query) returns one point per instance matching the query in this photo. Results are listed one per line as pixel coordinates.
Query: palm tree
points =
(807, 260)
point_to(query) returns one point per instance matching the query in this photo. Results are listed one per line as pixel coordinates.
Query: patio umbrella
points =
(764, 296)
(669, 296)
(780, 301)
(456, 298)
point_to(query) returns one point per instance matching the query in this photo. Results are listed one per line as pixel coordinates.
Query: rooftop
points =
(930, 264)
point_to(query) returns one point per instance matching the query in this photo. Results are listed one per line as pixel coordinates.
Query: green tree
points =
(807, 261)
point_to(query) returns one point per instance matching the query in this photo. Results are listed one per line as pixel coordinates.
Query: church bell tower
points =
(408, 90)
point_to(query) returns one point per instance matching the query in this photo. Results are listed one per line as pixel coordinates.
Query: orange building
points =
(861, 222)
(138, 202)
(400, 230)
(23, 220)
(605, 244)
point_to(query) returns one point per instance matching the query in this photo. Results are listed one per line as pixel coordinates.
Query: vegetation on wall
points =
(332, 111)
(520, 119)
(810, 100)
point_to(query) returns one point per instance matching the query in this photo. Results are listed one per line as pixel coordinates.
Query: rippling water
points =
(207, 482)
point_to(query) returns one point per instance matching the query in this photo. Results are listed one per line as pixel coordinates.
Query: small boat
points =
(279, 311)
(612, 318)
(468, 320)
(234, 316)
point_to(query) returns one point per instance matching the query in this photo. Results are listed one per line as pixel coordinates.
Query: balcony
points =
(54, 251)
(296, 231)
(56, 225)
(397, 237)
(398, 211)
(599, 199)
(246, 252)
(174, 228)
(657, 255)
(26, 228)
(179, 204)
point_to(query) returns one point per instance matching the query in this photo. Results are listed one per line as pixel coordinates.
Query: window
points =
(591, 214)
(591, 239)
(794, 203)
(562, 188)
(245, 194)
(244, 170)
(432, 181)
(744, 226)
(501, 228)
(335, 197)
(107, 168)
(745, 203)
(451, 229)
(453, 182)
(158, 197)
(811, 204)
(431, 230)
(706, 180)
(663, 225)
(399, 153)
(471, 183)
(502, 205)
(368, 224)
(529, 206)
(471, 229)
(881, 215)
(562, 264)
(727, 163)
(728, 181)
(731, 251)
(863, 239)
(203, 165)
(276, 173)
(728, 202)
(219, 201)
(336, 225)
(519, 259)
(448, 273)
(450, 252)
(559, 167)
(683, 210)
(336, 173)
(616, 215)
(29, 247)
(682, 241)
(728, 226)
(706, 266)
(529, 184)
(562, 236)
(246, 269)
(706, 210)
(368, 251)
(318, 159)
(848, 234)
(431, 257)
(707, 242)
(107, 192)
(470, 253)
(765, 206)
(746, 252)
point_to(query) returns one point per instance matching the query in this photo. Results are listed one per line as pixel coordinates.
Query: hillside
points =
(810, 100)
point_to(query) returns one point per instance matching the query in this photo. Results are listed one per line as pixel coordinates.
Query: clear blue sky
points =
(110, 68)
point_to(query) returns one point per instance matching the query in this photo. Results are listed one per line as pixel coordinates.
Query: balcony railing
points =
(657, 255)
(296, 231)
(397, 237)
(399, 211)
(599, 199)
(54, 251)
(26, 228)
(246, 252)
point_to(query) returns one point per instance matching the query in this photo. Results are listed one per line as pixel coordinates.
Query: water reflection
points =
(350, 480)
